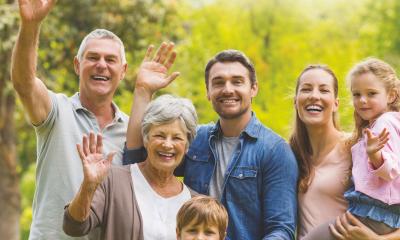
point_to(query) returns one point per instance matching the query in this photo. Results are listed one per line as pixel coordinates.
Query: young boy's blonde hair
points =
(203, 210)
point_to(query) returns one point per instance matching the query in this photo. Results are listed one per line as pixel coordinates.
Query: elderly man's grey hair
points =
(101, 34)
(168, 108)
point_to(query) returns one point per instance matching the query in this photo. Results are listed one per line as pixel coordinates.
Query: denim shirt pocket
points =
(242, 184)
(197, 170)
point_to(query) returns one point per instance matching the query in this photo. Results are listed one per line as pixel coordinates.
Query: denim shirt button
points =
(241, 175)
(194, 156)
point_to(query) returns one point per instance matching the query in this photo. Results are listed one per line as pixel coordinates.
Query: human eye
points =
(192, 230)
(237, 81)
(158, 136)
(210, 232)
(371, 94)
(325, 90)
(305, 89)
(217, 82)
(92, 57)
(178, 138)
(356, 94)
(111, 60)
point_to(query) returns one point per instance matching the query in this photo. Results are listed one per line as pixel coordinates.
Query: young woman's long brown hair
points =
(299, 139)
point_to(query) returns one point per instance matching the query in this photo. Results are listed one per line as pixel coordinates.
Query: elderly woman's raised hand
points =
(34, 11)
(95, 165)
(153, 72)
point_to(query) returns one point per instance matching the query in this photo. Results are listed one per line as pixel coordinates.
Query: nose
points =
(101, 63)
(200, 236)
(228, 88)
(363, 99)
(167, 143)
(315, 94)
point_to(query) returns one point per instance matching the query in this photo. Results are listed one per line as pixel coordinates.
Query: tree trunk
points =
(9, 179)
(10, 198)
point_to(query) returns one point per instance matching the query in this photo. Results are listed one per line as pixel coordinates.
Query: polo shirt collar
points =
(77, 105)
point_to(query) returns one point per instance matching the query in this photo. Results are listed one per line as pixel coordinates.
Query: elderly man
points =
(60, 121)
(238, 161)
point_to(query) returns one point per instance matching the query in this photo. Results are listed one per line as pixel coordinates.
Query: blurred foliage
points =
(280, 36)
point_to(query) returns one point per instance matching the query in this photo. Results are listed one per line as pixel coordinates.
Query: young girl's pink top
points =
(382, 183)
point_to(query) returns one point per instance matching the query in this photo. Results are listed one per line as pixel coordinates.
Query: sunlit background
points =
(280, 36)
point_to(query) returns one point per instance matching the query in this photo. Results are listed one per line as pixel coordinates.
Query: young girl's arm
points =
(383, 147)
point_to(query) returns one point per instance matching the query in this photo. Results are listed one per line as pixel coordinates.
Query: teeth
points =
(314, 108)
(166, 154)
(228, 101)
(101, 78)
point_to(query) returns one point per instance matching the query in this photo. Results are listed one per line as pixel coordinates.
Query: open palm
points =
(153, 72)
(35, 10)
(376, 143)
(95, 165)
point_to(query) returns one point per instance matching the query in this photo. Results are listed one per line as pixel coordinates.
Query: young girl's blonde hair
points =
(384, 73)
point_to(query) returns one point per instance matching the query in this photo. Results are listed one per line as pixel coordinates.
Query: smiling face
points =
(370, 98)
(200, 231)
(315, 99)
(101, 68)
(166, 145)
(230, 90)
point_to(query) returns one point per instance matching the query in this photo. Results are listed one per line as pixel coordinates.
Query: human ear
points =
(178, 234)
(392, 96)
(336, 105)
(76, 65)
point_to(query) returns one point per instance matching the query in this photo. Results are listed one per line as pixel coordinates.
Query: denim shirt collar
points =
(77, 105)
(252, 128)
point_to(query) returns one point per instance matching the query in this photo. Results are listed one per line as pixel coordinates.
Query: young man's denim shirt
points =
(260, 187)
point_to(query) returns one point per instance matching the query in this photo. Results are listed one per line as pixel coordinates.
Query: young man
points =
(60, 121)
(239, 161)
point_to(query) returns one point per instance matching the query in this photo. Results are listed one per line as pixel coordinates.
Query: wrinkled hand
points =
(153, 72)
(376, 143)
(34, 11)
(348, 227)
(95, 166)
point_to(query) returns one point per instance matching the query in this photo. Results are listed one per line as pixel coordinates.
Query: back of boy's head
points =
(203, 210)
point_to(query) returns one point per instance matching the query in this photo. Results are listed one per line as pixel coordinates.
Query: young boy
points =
(203, 218)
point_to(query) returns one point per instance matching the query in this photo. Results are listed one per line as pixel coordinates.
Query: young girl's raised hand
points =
(374, 145)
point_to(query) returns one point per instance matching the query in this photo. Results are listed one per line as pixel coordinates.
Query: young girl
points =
(375, 148)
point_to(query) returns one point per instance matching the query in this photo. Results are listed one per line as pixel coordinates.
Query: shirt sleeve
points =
(133, 155)
(45, 127)
(390, 169)
(280, 176)
(97, 210)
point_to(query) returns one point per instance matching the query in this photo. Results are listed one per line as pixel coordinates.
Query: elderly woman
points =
(127, 202)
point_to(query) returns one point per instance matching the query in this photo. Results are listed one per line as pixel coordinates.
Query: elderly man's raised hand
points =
(34, 11)
(153, 72)
(95, 165)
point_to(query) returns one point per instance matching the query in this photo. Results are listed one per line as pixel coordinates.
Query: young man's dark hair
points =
(231, 55)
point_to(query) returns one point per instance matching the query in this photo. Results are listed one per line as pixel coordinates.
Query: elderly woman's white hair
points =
(168, 108)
